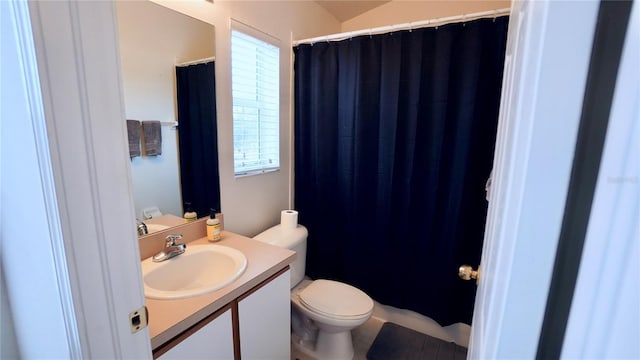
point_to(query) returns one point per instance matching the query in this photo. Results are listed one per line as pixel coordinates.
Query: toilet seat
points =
(335, 300)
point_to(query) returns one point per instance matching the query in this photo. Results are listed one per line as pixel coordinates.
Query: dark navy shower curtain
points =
(198, 137)
(394, 141)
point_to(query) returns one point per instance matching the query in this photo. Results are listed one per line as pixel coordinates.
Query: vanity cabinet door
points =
(213, 341)
(265, 321)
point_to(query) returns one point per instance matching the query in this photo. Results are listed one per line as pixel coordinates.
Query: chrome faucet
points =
(171, 249)
(142, 228)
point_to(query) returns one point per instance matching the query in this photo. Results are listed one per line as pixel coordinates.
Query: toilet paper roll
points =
(289, 219)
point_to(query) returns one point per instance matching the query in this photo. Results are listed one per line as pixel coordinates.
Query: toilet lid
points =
(335, 299)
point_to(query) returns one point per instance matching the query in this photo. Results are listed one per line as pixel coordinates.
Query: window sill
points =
(256, 172)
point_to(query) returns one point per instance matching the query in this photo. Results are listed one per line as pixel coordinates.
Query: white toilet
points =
(323, 311)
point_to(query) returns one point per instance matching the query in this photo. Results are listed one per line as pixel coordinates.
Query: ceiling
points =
(345, 10)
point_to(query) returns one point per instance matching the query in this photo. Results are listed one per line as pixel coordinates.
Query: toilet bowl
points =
(335, 309)
(323, 312)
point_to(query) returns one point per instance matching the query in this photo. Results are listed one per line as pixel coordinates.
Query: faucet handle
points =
(170, 240)
(141, 227)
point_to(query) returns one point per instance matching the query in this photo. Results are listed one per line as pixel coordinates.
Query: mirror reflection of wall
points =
(153, 39)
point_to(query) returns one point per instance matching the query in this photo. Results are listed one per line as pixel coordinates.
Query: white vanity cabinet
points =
(255, 325)
(265, 320)
(214, 340)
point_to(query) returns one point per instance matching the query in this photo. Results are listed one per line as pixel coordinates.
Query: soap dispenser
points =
(213, 227)
(189, 214)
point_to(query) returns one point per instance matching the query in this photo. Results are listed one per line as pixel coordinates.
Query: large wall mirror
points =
(153, 40)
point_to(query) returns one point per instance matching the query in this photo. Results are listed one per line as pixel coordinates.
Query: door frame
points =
(543, 86)
(604, 318)
(69, 68)
(537, 138)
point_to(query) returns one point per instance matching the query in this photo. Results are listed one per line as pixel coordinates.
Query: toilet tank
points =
(292, 239)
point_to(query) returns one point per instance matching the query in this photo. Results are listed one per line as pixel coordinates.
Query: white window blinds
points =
(255, 83)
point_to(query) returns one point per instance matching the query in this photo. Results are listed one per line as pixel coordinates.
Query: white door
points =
(70, 260)
(548, 54)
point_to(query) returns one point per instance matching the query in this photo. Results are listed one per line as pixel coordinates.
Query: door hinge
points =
(138, 319)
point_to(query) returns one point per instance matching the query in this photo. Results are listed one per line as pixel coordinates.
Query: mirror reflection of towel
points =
(152, 138)
(133, 133)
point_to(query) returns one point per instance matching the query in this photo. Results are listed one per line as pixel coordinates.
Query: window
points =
(255, 85)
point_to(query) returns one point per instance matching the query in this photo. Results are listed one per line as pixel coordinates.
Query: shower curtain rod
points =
(405, 26)
(199, 61)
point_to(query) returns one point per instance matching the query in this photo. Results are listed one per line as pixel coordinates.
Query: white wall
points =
(402, 11)
(153, 39)
(252, 204)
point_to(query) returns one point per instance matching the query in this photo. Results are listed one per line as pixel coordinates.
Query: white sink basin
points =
(199, 270)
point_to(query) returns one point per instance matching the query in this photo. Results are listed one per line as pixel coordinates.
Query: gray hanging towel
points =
(133, 133)
(152, 138)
